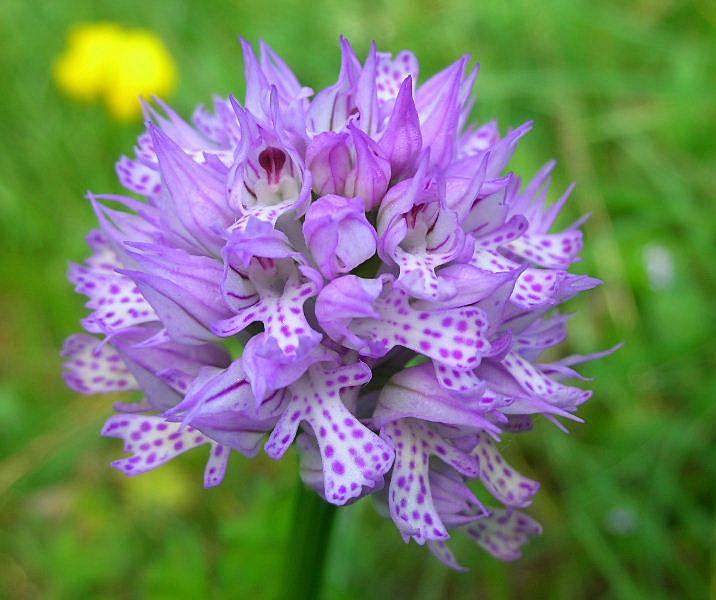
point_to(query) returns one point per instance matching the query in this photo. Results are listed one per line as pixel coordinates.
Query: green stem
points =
(307, 545)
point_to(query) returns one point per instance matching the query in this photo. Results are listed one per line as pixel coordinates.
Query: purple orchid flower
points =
(391, 284)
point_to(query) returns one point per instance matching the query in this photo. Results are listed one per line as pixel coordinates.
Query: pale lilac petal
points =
(487, 211)
(193, 203)
(454, 500)
(503, 235)
(575, 359)
(332, 106)
(199, 275)
(402, 140)
(541, 334)
(443, 553)
(182, 288)
(414, 392)
(221, 405)
(502, 151)
(164, 369)
(470, 285)
(134, 222)
(268, 369)
(173, 125)
(439, 112)
(215, 391)
(278, 73)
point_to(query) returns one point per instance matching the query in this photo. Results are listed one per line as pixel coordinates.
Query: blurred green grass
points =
(622, 95)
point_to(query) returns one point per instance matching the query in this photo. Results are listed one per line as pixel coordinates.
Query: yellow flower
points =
(109, 63)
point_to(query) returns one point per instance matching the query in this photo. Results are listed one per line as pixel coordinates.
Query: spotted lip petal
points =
(391, 73)
(503, 482)
(353, 456)
(454, 337)
(477, 140)
(155, 442)
(94, 368)
(280, 281)
(139, 177)
(537, 246)
(420, 233)
(282, 316)
(115, 300)
(410, 496)
(504, 532)
(387, 286)
(535, 382)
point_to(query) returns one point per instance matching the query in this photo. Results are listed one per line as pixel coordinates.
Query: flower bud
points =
(329, 160)
(338, 234)
(348, 164)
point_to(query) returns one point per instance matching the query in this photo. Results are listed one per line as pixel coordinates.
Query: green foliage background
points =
(623, 96)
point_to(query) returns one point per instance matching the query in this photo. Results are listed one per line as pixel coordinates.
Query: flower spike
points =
(387, 288)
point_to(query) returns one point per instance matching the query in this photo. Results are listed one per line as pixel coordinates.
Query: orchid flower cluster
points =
(350, 272)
